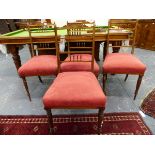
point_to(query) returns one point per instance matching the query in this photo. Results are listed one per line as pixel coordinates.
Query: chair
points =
(40, 65)
(123, 63)
(80, 48)
(75, 90)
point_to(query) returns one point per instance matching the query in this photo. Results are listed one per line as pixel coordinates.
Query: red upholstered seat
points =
(74, 90)
(80, 66)
(39, 65)
(123, 63)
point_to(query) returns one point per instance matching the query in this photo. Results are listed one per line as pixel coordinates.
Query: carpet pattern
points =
(148, 104)
(114, 124)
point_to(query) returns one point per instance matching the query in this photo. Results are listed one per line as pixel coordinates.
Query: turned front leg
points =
(100, 120)
(50, 121)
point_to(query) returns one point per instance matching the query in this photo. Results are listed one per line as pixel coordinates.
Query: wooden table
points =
(15, 39)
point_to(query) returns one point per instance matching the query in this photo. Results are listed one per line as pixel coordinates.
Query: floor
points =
(14, 101)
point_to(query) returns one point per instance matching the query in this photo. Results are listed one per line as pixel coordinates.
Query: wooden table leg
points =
(14, 50)
(105, 50)
(97, 50)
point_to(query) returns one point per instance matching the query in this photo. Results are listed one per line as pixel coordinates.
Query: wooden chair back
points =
(122, 26)
(122, 23)
(48, 21)
(50, 46)
(78, 28)
(80, 40)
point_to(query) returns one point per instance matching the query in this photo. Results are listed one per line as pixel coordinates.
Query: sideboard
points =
(145, 37)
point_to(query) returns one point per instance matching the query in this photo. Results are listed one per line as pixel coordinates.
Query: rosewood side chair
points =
(80, 47)
(40, 65)
(76, 90)
(123, 63)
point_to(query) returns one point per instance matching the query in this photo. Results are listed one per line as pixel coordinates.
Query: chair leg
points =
(40, 79)
(26, 87)
(97, 76)
(126, 77)
(100, 120)
(104, 81)
(106, 76)
(50, 121)
(138, 85)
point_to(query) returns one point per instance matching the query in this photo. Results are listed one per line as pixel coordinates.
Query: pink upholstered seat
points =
(74, 90)
(80, 66)
(123, 63)
(39, 65)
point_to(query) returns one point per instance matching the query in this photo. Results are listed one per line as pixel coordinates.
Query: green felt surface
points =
(24, 33)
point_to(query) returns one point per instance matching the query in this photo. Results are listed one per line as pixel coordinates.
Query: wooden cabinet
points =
(145, 36)
(4, 28)
(8, 25)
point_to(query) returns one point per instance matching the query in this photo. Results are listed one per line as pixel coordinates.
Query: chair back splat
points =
(45, 47)
(78, 44)
(123, 26)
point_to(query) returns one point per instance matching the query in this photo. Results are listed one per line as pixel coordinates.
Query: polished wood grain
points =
(146, 34)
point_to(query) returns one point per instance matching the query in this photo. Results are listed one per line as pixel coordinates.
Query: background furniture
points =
(145, 37)
(15, 39)
(7, 25)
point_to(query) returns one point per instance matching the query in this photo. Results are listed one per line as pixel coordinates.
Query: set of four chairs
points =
(76, 85)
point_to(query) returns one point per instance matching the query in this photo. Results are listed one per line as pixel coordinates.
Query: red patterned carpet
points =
(114, 123)
(148, 104)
